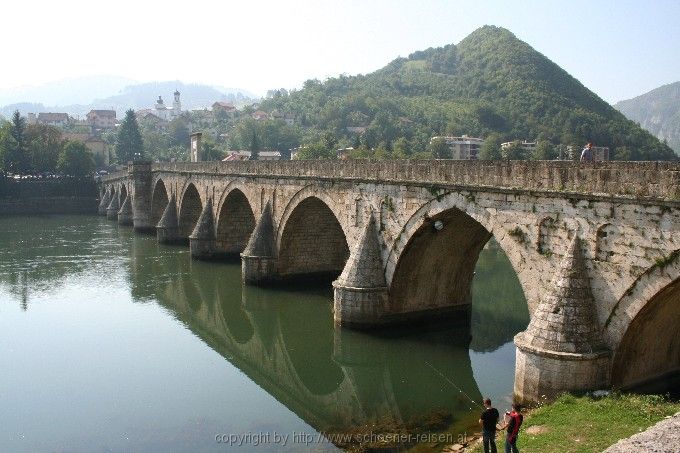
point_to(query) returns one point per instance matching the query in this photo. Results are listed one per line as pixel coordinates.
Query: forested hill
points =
(657, 111)
(489, 85)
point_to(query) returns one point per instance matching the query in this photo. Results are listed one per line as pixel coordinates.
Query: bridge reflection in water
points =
(335, 379)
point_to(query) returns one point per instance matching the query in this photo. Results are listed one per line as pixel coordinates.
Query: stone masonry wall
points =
(626, 214)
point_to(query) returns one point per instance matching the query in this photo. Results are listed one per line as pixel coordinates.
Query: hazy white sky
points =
(619, 49)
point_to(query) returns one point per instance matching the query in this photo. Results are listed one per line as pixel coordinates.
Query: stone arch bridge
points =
(595, 246)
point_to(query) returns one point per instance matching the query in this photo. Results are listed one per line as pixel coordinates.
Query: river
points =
(111, 342)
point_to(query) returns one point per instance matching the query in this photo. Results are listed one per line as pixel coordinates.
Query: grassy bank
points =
(586, 424)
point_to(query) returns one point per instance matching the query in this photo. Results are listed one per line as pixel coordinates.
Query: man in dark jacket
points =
(488, 420)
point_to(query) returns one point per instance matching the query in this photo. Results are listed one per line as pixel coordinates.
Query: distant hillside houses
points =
(527, 146)
(49, 119)
(100, 149)
(226, 108)
(463, 147)
(101, 119)
(246, 155)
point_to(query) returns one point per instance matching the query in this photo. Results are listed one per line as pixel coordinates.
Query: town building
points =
(260, 115)
(245, 155)
(344, 153)
(150, 117)
(49, 119)
(101, 150)
(288, 118)
(527, 146)
(600, 153)
(463, 147)
(101, 119)
(226, 108)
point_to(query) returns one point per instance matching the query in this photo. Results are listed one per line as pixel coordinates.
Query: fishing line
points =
(453, 384)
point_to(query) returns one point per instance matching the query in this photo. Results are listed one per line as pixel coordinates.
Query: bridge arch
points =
(190, 209)
(423, 273)
(642, 326)
(235, 220)
(159, 200)
(122, 194)
(310, 238)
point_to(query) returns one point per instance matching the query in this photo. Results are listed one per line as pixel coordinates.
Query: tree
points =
(491, 149)
(514, 151)
(129, 143)
(15, 154)
(622, 153)
(316, 151)
(439, 149)
(5, 143)
(254, 145)
(544, 151)
(179, 133)
(76, 160)
(210, 150)
(44, 144)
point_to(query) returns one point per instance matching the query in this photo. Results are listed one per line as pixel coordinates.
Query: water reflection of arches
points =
(312, 240)
(331, 378)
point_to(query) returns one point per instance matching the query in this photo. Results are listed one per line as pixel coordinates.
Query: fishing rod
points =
(452, 383)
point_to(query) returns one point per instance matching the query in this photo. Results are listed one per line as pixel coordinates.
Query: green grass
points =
(585, 424)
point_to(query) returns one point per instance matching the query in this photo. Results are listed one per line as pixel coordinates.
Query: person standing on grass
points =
(488, 420)
(513, 420)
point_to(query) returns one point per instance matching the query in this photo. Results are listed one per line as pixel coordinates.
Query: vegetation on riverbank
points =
(587, 424)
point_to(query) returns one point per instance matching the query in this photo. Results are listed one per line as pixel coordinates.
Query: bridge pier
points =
(258, 259)
(140, 175)
(360, 293)
(104, 203)
(202, 239)
(167, 230)
(562, 348)
(125, 212)
(112, 209)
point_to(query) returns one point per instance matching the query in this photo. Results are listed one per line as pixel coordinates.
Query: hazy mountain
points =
(80, 90)
(135, 96)
(491, 82)
(658, 111)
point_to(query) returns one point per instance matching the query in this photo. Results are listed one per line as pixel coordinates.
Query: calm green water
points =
(111, 342)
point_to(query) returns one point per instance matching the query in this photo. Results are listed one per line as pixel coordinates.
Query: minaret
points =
(176, 105)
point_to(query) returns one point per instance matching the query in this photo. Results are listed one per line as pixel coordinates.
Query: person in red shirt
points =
(512, 421)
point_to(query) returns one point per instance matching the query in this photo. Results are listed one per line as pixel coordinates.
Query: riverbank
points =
(586, 424)
(48, 206)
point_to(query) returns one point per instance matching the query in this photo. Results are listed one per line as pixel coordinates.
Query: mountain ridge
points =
(489, 83)
(658, 111)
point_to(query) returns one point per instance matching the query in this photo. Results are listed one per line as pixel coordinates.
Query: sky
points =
(618, 49)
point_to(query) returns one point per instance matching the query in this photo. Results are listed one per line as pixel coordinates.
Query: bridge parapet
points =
(627, 179)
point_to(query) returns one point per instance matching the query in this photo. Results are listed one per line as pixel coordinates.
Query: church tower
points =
(176, 106)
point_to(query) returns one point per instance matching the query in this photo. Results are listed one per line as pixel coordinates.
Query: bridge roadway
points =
(595, 246)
